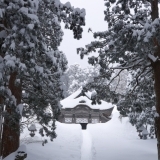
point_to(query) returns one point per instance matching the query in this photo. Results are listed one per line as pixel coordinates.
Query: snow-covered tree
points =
(133, 42)
(140, 104)
(31, 66)
(119, 83)
(76, 77)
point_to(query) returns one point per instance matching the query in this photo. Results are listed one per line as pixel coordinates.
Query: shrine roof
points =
(74, 99)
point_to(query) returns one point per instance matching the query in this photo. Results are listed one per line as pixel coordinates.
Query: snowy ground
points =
(118, 140)
(114, 140)
(86, 147)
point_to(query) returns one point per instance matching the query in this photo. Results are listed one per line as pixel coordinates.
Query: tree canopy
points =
(31, 64)
(132, 42)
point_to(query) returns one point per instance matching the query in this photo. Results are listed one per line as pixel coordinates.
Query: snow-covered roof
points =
(72, 101)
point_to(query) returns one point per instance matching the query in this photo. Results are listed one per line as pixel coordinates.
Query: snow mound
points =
(21, 149)
(118, 139)
(66, 146)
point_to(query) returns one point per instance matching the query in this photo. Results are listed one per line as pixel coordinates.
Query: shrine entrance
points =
(84, 126)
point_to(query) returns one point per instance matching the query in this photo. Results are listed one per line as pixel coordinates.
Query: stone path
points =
(86, 148)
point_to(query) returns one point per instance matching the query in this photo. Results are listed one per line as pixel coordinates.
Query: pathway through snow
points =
(86, 148)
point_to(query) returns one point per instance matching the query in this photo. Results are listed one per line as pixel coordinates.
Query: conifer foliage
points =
(132, 41)
(76, 77)
(31, 65)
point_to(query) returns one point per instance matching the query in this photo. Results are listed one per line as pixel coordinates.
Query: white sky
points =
(94, 20)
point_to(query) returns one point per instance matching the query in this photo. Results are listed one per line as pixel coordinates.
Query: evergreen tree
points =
(119, 83)
(132, 41)
(31, 66)
(76, 77)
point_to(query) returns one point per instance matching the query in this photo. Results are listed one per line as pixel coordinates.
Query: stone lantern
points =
(144, 134)
(140, 129)
(32, 129)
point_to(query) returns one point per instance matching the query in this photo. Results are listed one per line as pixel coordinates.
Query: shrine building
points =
(77, 108)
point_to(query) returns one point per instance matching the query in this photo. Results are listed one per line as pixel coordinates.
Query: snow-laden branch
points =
(128, 67)
(152, 57)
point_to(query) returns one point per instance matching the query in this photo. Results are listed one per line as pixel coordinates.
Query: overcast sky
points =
(94, 20)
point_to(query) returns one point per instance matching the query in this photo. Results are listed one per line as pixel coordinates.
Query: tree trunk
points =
(157, 125)
(11, 127)
(1, 123)
(156, 69)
